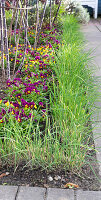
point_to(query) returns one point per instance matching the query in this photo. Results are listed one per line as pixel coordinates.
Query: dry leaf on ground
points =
(4, 174)
(71, 185)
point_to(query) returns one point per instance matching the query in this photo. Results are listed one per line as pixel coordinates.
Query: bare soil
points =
(25, 176)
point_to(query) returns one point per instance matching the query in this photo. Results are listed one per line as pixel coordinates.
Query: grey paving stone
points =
(88, 195)
(97, 141)
(59, 194)
(31, 193)
(92, 34)
(96, 117)
(8, 192)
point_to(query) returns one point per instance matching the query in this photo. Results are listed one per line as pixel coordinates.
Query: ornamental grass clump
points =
(71, 98)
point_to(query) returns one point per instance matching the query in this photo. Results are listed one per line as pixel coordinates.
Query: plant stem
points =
(57, 12)
(2, 43)
(6, 39)
(37, 24)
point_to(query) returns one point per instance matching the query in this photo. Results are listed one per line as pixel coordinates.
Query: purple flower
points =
(31, 104)
(17, 113)
(40, 61)
(3, 112)
(13, 91)
(18, 118)
(30, 114)
(41, 75)
(45, 75)
(18, 72)
(28, 90)
(38, 92)
(17, 61)
(37, 58)
(8, 82)
(10, 109)
(57, 41)
(32, 53)
(24, 103)
(18, 95)
(17, 79)
(50, 46)
(25, 84)
(45, 56)
(16, 105)
(41, 104)
(20, 55)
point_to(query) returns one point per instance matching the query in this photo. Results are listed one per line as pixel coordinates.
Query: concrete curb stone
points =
(60, 194)
(88, 195)
(31, 193)
(8, 192)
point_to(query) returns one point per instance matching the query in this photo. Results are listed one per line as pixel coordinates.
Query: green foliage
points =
(71, 98)
(8, 14)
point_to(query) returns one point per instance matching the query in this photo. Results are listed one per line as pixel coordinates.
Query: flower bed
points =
(44, 118)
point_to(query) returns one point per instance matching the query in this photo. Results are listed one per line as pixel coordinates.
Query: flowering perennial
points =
(27, 93)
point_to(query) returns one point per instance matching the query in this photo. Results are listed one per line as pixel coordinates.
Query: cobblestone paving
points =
(36, 193)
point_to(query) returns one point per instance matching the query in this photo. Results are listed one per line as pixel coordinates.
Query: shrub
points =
(73, 7)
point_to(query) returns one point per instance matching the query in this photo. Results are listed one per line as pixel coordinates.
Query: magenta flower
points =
(8, 82)
(10, 110)
(32, 53)
(18, 72)
(38, 92)
(16, 105)
(17, 79)
(31, 104)
(13, 91)
(18, 118)
(3, 112)
(41, 104)
(37, 58)
(17, 113)
(45, 56)
(41, 61)
(22, 114)
(24, 103)
(17, 61)
(18, 95)
(50, 46)
(20, 55)
(41, 75)
(28, 90)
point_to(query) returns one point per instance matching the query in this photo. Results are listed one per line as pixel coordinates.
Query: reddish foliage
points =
(7, 4)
